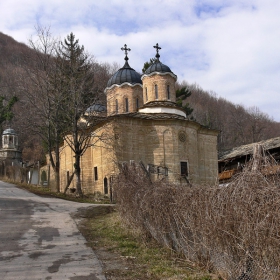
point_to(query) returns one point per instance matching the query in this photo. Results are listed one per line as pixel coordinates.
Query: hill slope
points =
(237, 124)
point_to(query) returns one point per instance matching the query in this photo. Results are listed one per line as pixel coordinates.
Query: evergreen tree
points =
(76, 76)
(148, 64)
(181, 95)
(6, 106)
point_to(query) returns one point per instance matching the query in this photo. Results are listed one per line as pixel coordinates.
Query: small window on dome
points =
(137, 103)
(156, 91)
(117, 106)
(126, 105)
(168, 92)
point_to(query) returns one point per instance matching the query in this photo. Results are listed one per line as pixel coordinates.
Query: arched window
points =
(105, 185)
(95, 173)
(168, 92)
(137, 103)
(156, 91)
(117, 106)
(126, 105)
(146, 94)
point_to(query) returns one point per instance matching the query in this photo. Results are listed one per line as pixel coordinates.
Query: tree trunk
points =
(57, 179)
(57, 167)
(69, 182)
(257, 157)
(78, 174)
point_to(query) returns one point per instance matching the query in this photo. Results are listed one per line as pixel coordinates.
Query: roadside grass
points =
(137, 259)
(47, 192)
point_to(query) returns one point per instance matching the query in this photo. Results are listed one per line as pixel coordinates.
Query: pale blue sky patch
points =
(206, 10)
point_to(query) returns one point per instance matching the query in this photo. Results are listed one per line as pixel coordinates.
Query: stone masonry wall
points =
(120, 94)
(165, 143)
(162, 81)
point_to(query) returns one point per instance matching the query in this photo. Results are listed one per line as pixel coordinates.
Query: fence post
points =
(39, 175)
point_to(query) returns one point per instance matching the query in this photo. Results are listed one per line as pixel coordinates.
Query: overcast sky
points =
(229, 47)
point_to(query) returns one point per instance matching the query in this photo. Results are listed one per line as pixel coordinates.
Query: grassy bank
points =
(126, 257)
(45, 191)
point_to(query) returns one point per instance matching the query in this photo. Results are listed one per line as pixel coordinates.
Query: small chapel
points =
(145, 125)
(9, 153)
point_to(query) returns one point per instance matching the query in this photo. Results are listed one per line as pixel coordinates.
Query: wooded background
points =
(238, 124)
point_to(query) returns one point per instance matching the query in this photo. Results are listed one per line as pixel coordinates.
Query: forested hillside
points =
(19, 66)
(12, 60)
(238, 125)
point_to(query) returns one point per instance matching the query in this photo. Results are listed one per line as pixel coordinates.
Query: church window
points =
(95, 173)
(117, 106)
(105, 185)
(137, 103)
(182, 136)
(146, 94)
(184, 168)
(156, 91)
(126, 105)
(168, 92)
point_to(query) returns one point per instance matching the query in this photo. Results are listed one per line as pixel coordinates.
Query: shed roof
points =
(248, 149)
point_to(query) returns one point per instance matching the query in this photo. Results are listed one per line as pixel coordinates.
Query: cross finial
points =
(125, 49)
(157, 47)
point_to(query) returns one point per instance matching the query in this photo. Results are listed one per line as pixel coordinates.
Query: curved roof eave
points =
(159, 73)
(9, 131)
(123, 84)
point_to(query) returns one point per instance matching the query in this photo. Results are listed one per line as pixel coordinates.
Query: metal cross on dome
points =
(125, 49)
(157, 47)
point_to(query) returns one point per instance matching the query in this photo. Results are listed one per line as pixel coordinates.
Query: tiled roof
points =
(248, 149)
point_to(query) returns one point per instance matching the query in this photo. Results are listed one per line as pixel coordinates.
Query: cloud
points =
(229, 47)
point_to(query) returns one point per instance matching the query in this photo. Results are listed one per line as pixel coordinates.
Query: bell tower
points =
(9, 152)
(159, 93)
(124, 89)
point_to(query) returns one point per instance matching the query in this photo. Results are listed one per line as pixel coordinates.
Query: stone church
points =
(144, 124)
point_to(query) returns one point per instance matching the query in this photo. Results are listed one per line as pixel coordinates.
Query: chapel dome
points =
(126, 74)
(9, 131)
(98, 108)
(158, 67)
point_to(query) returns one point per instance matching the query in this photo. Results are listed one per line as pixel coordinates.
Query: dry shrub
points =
(14, 173)
(233, 230)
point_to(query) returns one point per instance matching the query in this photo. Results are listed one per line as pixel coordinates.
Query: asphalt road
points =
(40, 240)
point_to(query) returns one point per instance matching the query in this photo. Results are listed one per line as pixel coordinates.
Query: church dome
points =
(9, 131)
(126, 74)
(158, 67)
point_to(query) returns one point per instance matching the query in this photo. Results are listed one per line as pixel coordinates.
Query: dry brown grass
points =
(233, 230)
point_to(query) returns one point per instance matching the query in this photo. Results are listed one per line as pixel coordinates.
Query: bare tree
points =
(43, 97)
(75, 72)
(258, 124)
(60, 92)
